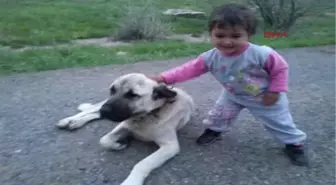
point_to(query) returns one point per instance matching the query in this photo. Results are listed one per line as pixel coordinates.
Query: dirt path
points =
(34, 152)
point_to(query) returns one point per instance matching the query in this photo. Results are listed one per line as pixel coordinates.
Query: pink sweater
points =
(250, 72)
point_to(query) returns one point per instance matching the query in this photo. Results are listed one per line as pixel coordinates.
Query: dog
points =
(145, 110)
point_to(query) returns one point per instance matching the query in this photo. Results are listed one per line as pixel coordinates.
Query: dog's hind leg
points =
(80, 119)
(169, 147)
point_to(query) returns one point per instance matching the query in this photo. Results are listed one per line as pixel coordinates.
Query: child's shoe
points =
(296, 154)
(208, 136)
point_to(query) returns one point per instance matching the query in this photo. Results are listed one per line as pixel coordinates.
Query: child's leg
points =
(279, 122)
(219, 119)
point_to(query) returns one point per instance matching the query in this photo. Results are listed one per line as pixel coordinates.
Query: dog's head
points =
(134, 94)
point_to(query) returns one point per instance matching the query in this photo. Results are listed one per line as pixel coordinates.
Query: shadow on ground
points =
(34, 152)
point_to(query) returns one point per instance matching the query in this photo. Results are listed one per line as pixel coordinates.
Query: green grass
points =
(39, 23)
(45, 22)
(87, 56)
(42, 22)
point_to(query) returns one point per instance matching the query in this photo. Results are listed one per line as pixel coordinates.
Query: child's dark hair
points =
(233, 15)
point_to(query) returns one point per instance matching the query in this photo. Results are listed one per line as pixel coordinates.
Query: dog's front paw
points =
(108, 143)
(70, 123)
(64, 123)
(131, 182)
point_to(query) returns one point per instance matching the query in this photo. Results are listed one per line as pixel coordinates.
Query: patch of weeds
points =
(142, 22)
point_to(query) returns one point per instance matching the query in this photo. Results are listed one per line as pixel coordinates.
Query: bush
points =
(280, 15)
(142, 22)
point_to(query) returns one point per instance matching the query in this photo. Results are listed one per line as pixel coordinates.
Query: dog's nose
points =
(115, 112)
(105, 111)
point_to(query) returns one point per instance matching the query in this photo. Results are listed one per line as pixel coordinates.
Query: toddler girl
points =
(252, 76)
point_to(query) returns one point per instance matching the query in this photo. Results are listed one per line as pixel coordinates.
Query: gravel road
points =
(34, 152)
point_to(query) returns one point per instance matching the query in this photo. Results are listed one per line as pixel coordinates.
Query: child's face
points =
(229, 40)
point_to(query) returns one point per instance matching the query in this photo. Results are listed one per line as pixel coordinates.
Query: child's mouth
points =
(226, 48)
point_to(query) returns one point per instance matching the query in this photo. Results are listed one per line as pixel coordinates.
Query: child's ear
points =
(162, 91)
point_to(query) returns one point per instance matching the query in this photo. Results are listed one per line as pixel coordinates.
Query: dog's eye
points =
(112, 90)
(130, 95)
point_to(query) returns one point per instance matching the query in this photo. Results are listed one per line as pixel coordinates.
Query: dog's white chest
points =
(147, 129)
(145, 133)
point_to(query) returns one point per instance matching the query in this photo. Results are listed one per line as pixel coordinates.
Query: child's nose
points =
(227, 42)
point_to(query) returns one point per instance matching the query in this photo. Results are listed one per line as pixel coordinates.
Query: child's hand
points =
(270, 98)
(158, 78)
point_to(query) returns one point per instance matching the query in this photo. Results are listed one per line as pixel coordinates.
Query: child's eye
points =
(236, 36)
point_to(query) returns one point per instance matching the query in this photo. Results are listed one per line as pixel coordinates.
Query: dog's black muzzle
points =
(116, 109)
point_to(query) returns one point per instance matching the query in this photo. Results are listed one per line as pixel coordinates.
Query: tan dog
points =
(147, 111)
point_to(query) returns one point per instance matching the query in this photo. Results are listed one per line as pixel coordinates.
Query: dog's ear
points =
(163, 91)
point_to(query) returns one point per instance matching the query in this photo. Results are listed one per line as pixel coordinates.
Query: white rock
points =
(182, 12)
(121, 53)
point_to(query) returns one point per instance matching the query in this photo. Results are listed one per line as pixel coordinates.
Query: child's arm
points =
(187, 71)
(277, 68)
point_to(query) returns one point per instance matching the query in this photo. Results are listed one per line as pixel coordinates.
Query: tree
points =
(280, 15)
